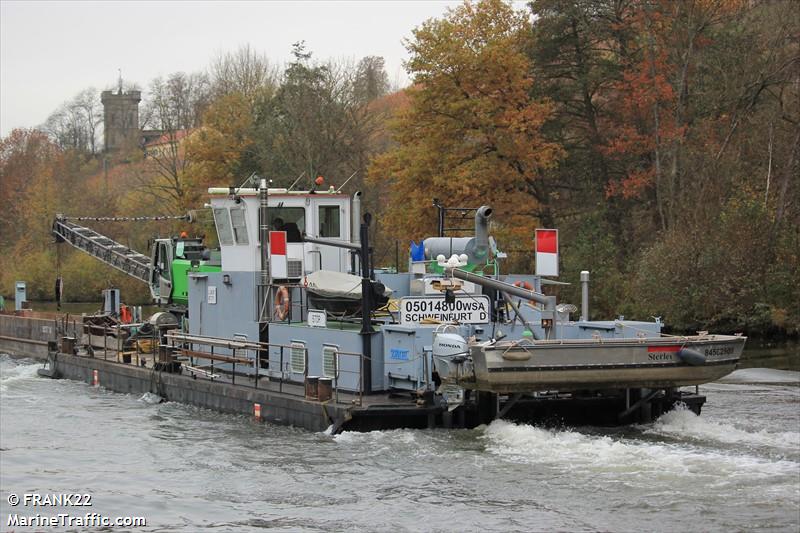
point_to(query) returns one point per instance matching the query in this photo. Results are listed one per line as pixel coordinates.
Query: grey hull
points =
(578, 365)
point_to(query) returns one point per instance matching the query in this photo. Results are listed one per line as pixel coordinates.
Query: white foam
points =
(396, 436)
(761, 375)
(16, 370)
(151, 399)
(574, 451)
(682, 422)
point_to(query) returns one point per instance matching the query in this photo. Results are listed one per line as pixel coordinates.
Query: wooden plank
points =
(216, 357)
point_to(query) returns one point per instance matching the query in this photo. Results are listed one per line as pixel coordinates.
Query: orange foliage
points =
(471, 134)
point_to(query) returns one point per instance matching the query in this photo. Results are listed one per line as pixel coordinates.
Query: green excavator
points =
(166, 270)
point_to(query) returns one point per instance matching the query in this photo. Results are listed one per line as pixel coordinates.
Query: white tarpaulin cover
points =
(332, 284)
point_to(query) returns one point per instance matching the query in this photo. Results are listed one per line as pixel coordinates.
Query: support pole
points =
(263, 237)
(515, 307)
(366, 307)
(646, 398)
(509, 404)
(584, 295)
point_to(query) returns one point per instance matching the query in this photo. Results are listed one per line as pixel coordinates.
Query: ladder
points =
(103, 248)
(458, 215)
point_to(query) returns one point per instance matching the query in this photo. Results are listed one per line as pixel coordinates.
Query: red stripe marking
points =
(651, 349)
(277, 243)
(547, 241)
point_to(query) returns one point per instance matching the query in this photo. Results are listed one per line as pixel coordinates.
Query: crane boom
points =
(103, 248)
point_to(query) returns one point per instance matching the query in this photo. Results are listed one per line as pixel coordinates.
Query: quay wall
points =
(25, 336)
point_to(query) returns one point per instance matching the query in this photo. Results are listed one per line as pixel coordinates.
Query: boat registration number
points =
(464, 310)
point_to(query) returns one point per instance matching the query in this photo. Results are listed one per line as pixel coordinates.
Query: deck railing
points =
(217, 358)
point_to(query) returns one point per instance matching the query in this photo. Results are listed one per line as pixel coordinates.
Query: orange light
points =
(320, 180)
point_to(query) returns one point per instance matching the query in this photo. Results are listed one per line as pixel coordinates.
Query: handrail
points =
(184, 344)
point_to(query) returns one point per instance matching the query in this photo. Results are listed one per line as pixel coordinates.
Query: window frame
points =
(297, 345)
(227, 231)
(235, 229)
(328, 208)
(334, 361)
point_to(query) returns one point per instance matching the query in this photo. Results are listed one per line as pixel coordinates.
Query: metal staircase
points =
(101, 247)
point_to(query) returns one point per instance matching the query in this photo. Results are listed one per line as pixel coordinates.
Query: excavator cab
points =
(165, 271)
(161, 273)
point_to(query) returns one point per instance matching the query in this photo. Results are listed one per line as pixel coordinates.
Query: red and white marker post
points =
(547, 252)
(278, 263)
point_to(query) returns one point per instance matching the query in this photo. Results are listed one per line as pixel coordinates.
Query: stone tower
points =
(121, 118)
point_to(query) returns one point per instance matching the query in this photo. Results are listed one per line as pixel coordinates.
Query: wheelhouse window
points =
(239, 223)
(292, 220)
(329, 221)
(223, 223)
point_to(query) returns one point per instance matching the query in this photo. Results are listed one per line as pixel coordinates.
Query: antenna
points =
(120, 80)
(295, 181)
(348, 179)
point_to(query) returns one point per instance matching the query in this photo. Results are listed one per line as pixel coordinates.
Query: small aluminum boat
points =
(590, 364)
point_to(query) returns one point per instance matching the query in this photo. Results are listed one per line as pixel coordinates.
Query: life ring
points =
(282, 302)
(524, 285)
(527, 286)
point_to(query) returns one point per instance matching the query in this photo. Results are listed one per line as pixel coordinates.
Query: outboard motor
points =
(449, 351)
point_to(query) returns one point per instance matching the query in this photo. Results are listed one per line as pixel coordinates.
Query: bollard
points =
(95, 378)
(68, 345)
(257, 411)
(311, 387)
(324, 389)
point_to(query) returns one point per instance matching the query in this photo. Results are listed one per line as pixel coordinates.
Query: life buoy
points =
(528, 287)
(524, 285)
(281, 310)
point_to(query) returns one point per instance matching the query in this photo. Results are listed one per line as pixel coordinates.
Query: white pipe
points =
(584, 295)
(355, 223)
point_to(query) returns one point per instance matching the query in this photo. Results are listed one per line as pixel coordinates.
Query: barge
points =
(290, 322)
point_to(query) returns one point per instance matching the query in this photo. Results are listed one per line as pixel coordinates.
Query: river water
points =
(736, 467)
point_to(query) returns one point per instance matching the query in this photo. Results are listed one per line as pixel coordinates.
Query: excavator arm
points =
(107, 250)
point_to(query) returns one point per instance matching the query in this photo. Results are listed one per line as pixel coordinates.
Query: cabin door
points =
(330, 220)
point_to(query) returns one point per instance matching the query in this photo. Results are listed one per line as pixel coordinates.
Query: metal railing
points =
(232, 358)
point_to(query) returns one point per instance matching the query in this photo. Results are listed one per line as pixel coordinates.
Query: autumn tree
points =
(318, 122)
(74, 125)
(371, 80)
(25, 156)
(676, 117)
(243, 71)
(222, 150)
(472, 134)
(174, 108)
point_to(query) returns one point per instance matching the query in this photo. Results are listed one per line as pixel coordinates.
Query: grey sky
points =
(50, 51)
